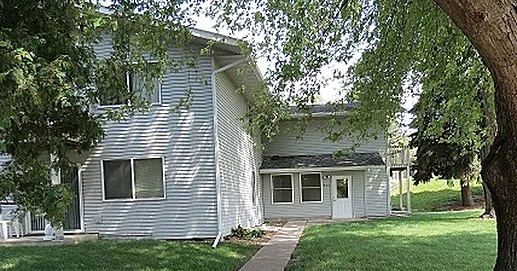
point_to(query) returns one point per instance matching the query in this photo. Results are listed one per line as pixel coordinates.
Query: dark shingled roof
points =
(322, 160)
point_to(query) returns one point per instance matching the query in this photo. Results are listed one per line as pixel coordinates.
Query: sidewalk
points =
(275, 255)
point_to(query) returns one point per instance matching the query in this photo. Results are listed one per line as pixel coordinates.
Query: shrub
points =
(243, 233)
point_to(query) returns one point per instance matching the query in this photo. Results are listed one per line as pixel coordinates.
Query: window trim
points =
(273, 189)
(301, 188)
(253, 188)
(133, 186)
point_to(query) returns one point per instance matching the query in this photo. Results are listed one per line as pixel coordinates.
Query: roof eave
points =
(317, 169)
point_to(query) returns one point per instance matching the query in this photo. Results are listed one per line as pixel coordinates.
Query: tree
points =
(441, 118)
(396, 37)
(47, 70)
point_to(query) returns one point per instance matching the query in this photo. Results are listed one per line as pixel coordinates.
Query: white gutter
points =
(216, 138)
(231, 65)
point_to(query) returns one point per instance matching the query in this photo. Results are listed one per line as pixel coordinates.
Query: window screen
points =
(117, 179)
(148, 92)
(311, 187)
(253, 188)
(282, 188)
(142, 178)
(148, 178)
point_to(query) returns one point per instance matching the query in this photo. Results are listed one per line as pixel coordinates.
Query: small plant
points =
(243, 233)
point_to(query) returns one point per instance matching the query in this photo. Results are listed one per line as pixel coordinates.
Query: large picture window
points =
(311, 187)
(133, 179)
(282, 188)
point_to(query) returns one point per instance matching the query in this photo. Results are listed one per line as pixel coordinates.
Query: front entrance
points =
(73, 215)
(341, 196)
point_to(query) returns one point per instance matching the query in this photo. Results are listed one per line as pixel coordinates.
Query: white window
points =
(149, 93)
(133, 179)
(282, 188)
(311, 187)
(136, 84)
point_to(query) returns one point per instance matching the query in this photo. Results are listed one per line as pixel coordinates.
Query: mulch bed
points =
(257, 241)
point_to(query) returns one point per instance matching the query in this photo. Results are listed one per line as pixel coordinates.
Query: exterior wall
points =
(238, 158)
(369, 196)
(184, 140)
(285, 143)
(377, 192)
(297, 209)
(3, 159)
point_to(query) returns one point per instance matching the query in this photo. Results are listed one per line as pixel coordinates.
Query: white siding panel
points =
(285, 143)
(304, 210)
(377, 186)
(238, 158)
(185, 140)
(3, 160)
(296, 209)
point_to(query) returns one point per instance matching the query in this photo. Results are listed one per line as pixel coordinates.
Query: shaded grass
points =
(435, 195)
(426, 241)
(126, 255)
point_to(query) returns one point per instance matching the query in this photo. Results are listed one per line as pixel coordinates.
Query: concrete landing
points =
(38, 240)
(275, 255)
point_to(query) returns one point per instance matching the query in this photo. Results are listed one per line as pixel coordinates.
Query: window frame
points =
(254, 188)
(301, 187)
(159, 90)
(273, 189)
(133, 186)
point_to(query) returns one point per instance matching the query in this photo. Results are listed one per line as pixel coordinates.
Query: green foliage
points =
(51, 82)
(403, 46)
(244, 233)
(117, 255)
(421, 242)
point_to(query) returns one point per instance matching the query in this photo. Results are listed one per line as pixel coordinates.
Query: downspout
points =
(216, 139)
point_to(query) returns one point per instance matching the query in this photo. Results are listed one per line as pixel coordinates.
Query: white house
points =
(197, 174)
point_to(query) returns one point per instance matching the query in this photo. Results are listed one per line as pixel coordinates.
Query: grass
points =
(426, 241)
(146, 255)
(435, 195)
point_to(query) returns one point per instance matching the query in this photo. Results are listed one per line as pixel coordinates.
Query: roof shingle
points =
(322, 160)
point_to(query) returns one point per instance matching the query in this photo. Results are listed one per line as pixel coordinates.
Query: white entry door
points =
(341, 196)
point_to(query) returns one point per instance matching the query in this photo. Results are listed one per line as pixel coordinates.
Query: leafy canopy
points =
(401, 46)
(51, 83)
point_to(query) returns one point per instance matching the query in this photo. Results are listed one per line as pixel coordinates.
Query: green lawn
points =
(126, 255)
(426, 241)
(435, 195)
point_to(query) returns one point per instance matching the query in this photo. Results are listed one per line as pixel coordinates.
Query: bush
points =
(243, 233)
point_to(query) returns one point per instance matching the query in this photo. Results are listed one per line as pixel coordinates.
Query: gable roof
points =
(322, 160)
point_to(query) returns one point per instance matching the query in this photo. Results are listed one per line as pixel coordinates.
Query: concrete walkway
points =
(275, 255)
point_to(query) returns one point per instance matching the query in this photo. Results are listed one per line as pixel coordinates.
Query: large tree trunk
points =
(466, 193)
(491, 25)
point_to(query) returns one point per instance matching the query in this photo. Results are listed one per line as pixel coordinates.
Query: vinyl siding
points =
(377, 185)
(238, 158)
(3, 160)
(285, 143)
(297, 209)
(306, 210)
(186, 142)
